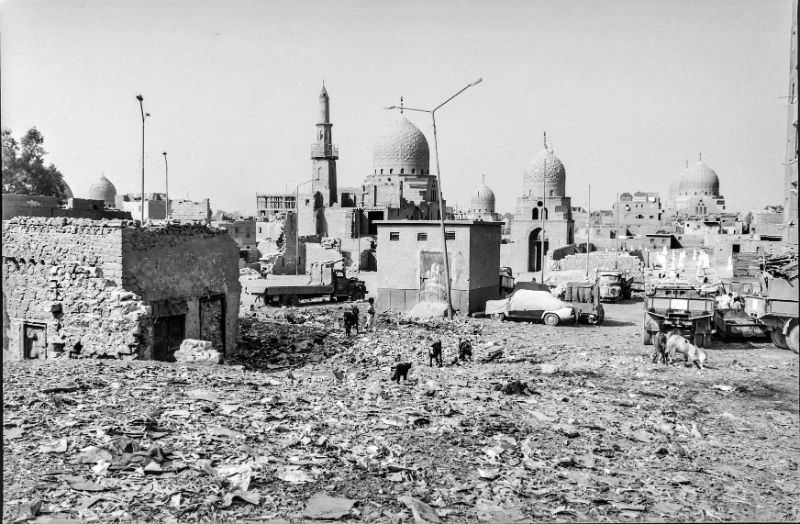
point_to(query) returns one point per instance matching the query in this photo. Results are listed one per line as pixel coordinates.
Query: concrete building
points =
(184, 210)
(109, 288)
(411, 264)
(155, 205)
(790, 177)
(243, 232)
(269, 205)
(640, 210)
(697, 194)
(543, 213)
(769, 224)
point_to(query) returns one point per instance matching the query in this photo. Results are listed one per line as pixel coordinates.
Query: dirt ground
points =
(593, 432)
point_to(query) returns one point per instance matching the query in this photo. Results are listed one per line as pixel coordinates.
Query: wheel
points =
(698, 340)
(778, 338)
(551, 319)
(791, 340)
(499, 317)
(601, 314)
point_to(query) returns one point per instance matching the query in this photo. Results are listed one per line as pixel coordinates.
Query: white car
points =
(526, 304)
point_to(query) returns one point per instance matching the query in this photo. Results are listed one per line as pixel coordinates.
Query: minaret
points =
(324, 154)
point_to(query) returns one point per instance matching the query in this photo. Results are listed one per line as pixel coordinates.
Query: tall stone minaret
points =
(324, 154)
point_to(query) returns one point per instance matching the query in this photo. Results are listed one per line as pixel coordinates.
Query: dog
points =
(661, 353)
(464, 350)
(401, 370)
(435, 353)
(694, 355)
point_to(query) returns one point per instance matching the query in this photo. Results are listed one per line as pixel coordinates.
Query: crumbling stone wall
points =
(94, 288)
(65, 274)
(600, 260)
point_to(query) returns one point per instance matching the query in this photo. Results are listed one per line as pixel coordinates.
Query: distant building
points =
(542, 211)
(155, 205)
(243, 232)
(47, 206)
(268, 206)
(184, 210)
(104, 190)
(638, 210)
(697, 193)
(411, 263)
(481, 205)
(768, 224)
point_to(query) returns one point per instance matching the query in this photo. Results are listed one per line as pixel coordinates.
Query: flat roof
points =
(435, 223)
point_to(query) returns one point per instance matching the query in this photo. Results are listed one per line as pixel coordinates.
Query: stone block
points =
(197, 351)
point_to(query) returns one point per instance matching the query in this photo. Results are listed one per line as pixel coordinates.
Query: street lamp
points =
(439, 184)
(166, 181)
(144, 115)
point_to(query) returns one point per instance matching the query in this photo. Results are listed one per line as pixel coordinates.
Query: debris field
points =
(565, 423)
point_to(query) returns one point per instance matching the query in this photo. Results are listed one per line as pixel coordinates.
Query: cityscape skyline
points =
(612, 111)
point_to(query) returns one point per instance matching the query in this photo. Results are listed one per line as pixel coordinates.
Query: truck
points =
(614, 284)
(775, 304)
(677, 306)
(584, 297)
(288, 293)
(506, 281)
(734, 321)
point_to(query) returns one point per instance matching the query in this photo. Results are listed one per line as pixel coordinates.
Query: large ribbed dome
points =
(103, 190)
(402, 149)
(699, 179)
(482, 200)
(548, 168)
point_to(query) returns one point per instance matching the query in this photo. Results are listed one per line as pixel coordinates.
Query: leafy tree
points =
(24, 170)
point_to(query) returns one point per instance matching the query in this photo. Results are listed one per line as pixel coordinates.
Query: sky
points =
(627, 90)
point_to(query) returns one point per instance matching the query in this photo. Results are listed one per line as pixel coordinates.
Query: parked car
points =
(531, 305)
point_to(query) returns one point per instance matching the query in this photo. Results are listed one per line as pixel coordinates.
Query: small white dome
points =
(103, 190)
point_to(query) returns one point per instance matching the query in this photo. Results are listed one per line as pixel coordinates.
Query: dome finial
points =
(687, 164)
(401, 105)
(700, 156)
(483, 179)
(545, 139)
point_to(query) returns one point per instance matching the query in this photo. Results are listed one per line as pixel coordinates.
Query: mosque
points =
(543, 218)
(696, 192)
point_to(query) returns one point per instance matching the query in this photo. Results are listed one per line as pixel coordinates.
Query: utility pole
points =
(588, 230)
(140, 98)
(544, 202)
(166, 181)
(616, 238)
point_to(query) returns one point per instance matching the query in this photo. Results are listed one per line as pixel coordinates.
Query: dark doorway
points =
(212, 321)
(168, 333)
(34, 345)
(535, 250)
(372, 216)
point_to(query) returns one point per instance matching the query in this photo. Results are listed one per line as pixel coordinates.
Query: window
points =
(450, 235)
(402, 170)
(381, 171)
(535, 214)
(421, 237)
(413, 171)
(391, 171)
(394, 236)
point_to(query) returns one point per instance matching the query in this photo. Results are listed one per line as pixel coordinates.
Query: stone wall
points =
(600, 260)
(190, 211)
(65, 275)
(95, 288)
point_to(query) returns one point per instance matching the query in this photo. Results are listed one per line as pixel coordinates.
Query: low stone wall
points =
(600, 260)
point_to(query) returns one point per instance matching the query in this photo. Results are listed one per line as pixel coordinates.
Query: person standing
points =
(348, 321)
(355, 317)
(371, 315)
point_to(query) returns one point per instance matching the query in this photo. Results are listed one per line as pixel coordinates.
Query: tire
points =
(601, 314)
(791, 339)
(551, 319)
(498, 317)
(698, 340)
(778, 338)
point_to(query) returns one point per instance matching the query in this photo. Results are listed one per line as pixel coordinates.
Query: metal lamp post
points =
(166, 181)
(144, 115)
(439, 186)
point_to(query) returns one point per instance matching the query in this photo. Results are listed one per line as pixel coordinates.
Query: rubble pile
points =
(562, 423)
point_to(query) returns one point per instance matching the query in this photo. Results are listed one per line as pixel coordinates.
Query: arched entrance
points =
(535, 250)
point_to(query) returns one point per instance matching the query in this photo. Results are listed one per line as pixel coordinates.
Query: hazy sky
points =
(627, 90)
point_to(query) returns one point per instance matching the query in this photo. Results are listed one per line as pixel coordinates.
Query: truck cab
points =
(680, 307)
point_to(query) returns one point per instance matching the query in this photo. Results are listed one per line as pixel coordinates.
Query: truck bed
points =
(285, 285)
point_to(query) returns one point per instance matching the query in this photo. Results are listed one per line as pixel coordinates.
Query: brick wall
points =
(95, 287)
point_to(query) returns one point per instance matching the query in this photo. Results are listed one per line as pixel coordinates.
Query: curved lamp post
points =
(439, 185)
(144, 115)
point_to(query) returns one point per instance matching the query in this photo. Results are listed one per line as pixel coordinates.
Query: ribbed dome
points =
(545, 166)
(67, 191)
(699, 179)
(103, 190)
(402, 149)
(482, 200)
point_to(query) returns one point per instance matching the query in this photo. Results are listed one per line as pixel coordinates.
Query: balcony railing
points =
(324, 151)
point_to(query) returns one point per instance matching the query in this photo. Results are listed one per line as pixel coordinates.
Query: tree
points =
(24, 171)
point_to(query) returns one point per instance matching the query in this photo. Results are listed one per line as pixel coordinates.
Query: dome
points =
(482, 199)
(545, 168)
(67, 191)
(402, 149)
(103, 190)
(699, 179)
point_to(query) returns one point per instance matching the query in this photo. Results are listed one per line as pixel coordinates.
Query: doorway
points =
(34, 345)
(168, 333)
(535, 250)
(212, 321)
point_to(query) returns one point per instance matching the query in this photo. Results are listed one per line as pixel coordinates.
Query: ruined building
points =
(792, 145)
(107, 288)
